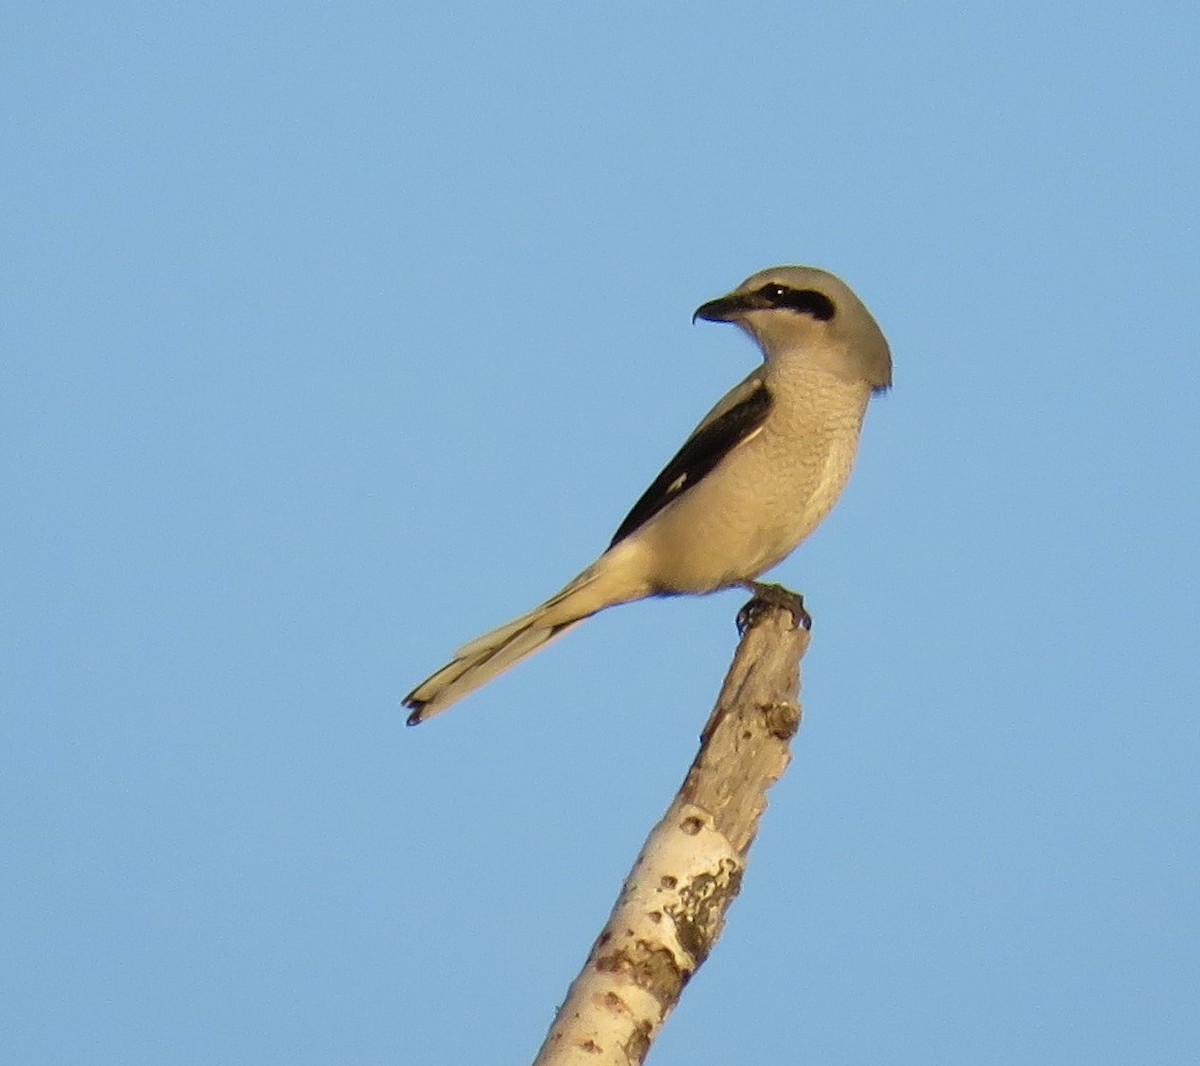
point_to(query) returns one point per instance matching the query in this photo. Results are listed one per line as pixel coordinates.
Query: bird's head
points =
(795, 309)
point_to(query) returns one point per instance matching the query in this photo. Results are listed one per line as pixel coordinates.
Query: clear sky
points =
(334, 334)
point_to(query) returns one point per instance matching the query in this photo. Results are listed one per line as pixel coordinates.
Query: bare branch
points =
(672, 907)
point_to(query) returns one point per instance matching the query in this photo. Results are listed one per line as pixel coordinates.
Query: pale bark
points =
(672, 907)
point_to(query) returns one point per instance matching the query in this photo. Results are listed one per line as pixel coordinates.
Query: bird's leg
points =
(775, 596)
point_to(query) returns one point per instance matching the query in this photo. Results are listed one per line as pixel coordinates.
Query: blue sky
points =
(336, 334)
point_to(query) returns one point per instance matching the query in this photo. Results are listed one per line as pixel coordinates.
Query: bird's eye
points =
(802, 301)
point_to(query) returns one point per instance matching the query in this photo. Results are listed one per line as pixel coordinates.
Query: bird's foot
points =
(772, 596)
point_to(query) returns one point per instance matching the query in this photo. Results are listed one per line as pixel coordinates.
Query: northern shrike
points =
(755, 478)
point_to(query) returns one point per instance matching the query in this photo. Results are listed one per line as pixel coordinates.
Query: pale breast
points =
(768, 495)
(811, 448)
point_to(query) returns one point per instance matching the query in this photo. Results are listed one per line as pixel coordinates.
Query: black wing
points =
(700, 454)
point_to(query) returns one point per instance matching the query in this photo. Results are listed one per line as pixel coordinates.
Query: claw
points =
(775, 596)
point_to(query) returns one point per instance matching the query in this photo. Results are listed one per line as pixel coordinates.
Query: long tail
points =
(599, 586)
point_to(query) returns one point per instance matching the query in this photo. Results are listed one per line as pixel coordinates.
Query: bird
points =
(757, 475)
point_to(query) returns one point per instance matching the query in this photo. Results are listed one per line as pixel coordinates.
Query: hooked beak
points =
(728, 308)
